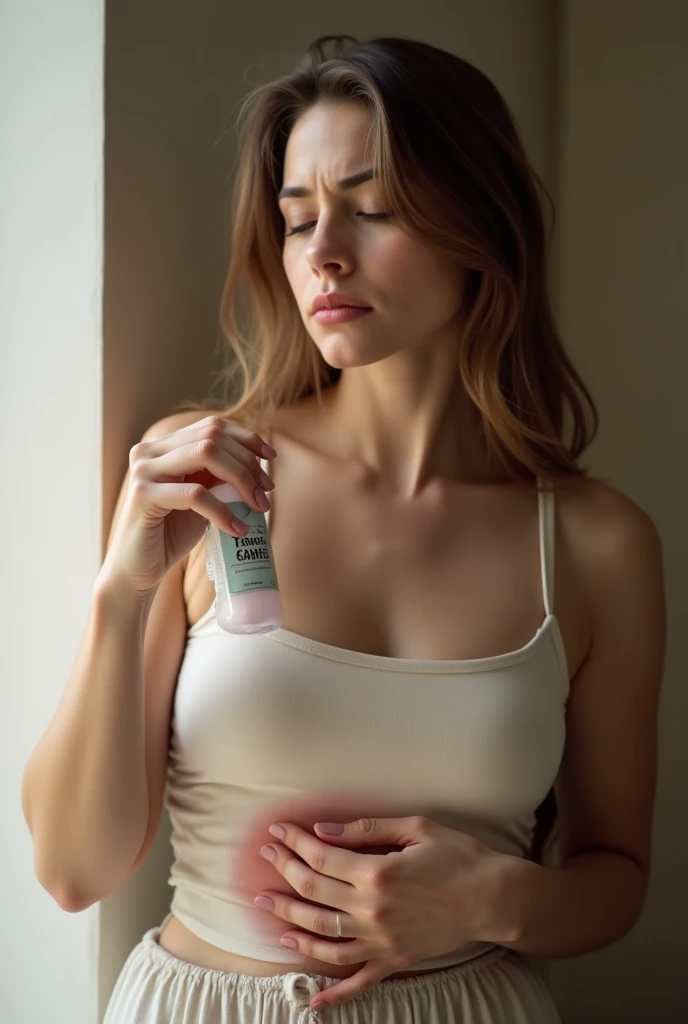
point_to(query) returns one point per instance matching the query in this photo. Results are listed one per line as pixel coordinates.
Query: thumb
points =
(372, 831)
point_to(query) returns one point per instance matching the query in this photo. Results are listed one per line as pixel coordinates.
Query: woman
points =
(434, 681)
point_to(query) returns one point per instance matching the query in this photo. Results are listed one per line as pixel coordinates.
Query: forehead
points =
(331, 140)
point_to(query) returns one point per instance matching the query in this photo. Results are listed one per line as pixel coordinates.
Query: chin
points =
(342, 353)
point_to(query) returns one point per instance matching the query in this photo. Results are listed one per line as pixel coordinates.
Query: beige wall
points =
(623, 213)
(595, 90)
(173, 83)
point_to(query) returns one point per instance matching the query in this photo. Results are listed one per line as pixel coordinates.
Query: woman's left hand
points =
(435, 894)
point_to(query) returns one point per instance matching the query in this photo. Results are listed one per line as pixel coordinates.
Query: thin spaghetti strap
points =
(265, 466)
(546, 523)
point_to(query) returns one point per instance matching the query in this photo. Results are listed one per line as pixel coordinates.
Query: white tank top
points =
(265, 720)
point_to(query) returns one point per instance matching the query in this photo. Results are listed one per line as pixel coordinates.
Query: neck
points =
(408, 425)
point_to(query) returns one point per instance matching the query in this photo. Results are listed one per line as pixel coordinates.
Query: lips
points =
(335, 300)
(340, 314)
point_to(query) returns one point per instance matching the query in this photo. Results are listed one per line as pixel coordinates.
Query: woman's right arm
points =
(92, 789)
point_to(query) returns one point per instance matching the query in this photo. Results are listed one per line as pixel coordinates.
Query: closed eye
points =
(300, 228)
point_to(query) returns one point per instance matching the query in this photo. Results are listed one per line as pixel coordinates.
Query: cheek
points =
(394, 260)
(408, 272)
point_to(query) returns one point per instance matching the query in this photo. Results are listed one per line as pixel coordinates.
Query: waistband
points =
(300, 987)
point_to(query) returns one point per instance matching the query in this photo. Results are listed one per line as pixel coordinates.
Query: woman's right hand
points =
(168, 502)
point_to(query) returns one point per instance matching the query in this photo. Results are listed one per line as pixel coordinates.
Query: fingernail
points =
(264, 902)
(269, 852)
(267, 451)
(330, 828)
(265, 480)
(262, 500)
(238, 525)
(291, 943)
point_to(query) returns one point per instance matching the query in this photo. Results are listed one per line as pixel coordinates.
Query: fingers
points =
(206, 454)
(210, 452)
(195, 496)
(244, 444)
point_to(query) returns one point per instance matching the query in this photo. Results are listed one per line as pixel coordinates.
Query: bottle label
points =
(248, 559)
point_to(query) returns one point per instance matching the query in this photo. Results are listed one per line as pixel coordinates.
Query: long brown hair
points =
(441, 131)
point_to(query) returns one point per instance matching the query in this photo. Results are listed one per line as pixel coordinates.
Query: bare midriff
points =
(182, 943)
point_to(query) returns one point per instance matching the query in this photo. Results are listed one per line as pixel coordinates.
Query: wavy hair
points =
(442, 131)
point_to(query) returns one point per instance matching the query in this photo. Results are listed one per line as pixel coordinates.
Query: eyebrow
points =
(298, 192)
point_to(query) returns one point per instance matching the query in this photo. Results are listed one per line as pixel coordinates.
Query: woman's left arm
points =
(606, 786)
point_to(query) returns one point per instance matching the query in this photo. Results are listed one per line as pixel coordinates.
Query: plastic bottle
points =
(243, 570)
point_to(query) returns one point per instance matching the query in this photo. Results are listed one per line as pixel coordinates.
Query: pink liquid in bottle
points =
(247, 598)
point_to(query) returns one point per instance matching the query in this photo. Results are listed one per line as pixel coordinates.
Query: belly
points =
(250, 874)
(180, 942)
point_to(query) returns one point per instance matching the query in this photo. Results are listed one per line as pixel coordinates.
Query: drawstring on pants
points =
(300, 989)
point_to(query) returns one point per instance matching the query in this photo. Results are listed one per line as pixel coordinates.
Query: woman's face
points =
(415, 290)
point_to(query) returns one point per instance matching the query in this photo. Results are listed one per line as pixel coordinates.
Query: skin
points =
(399, 403)
(399, 412)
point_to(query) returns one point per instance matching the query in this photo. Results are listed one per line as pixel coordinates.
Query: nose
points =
(327, 249)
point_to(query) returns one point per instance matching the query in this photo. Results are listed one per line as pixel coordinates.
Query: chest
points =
(454, 574)
(446, 576)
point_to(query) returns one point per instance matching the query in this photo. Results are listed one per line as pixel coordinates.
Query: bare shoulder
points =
(614, 552)
(602, 525)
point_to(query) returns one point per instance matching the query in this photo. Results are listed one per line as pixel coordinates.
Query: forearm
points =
(588, 903)
(84, 790)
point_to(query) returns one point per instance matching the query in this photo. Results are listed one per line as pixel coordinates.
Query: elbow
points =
(635, 912)
(68, 897)
(72, 896)
(73, 904)
(636, 891)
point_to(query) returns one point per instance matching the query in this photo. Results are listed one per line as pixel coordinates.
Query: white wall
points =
(174, 74)
(51, 279)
